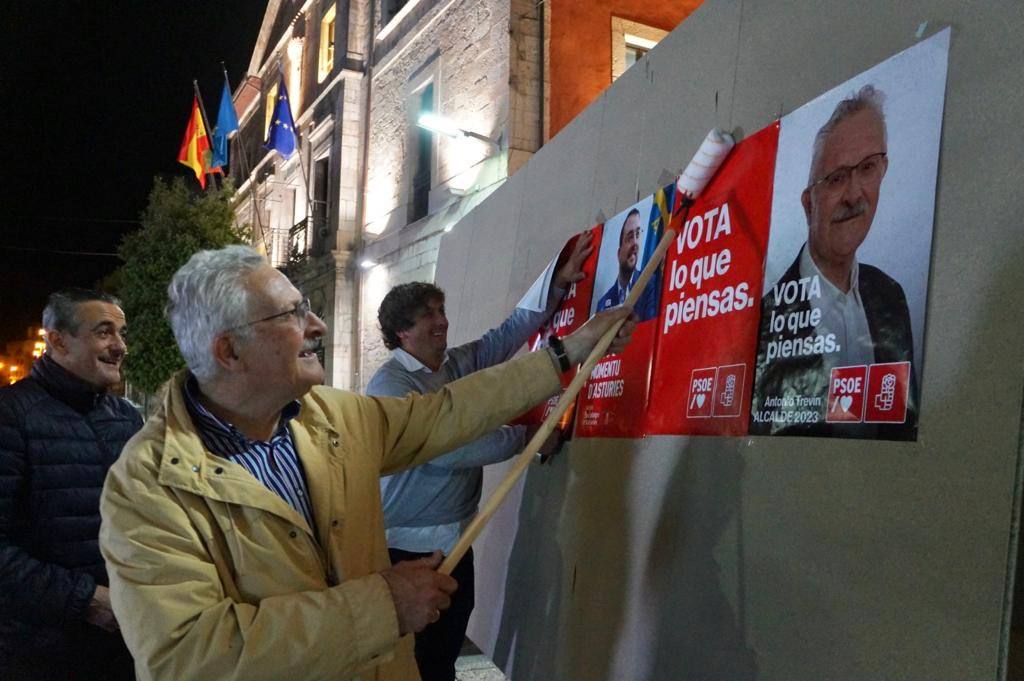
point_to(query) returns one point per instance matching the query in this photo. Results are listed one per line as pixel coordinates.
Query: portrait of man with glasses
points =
(830, 310)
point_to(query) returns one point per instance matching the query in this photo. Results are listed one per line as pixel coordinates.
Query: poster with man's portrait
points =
(840, 345)
(621, 256)
(613, 401)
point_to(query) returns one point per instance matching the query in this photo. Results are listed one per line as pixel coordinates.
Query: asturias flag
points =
(661, 211)
(227, 123)
(281, 133)
(195, 148)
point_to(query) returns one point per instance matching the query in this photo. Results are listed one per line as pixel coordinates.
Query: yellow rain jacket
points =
(214, 576)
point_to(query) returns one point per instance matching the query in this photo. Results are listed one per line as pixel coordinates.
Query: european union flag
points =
(227, 123)
(281, 133)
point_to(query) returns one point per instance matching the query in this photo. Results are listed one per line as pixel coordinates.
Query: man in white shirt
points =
(842, 312)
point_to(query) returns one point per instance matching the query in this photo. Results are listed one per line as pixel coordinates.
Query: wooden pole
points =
(248, 168)
(526, 456)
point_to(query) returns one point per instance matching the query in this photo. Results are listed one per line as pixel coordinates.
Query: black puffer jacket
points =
(58, 437)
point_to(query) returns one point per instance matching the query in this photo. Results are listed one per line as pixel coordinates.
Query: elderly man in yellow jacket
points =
(242, 526)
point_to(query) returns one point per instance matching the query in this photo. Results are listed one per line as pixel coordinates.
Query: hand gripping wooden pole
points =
(522, 461)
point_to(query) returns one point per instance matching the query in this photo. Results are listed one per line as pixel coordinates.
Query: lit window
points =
(630, 42)
(294, 79)
(326, 62)
(271, 101)
(422, 156)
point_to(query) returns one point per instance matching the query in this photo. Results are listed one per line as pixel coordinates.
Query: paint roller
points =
(712, 153)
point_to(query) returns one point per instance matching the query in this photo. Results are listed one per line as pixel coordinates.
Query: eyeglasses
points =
(868, 169)
(300, 312)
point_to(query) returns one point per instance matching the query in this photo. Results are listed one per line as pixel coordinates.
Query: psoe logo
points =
(699, 398)
(846, 386)
(887, 390)
(729, 384)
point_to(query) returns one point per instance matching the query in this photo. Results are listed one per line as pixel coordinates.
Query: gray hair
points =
(207, 296)
(60, 313)
(868, 98)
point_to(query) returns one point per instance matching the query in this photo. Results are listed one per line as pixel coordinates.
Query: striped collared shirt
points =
(274, 463)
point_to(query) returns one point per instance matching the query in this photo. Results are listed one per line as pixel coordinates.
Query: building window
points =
(326, 60)
(321, 203)
(630, 42)
(633, 53)
(294, 79)
(422, 155)
(271, 101)
(390, 9)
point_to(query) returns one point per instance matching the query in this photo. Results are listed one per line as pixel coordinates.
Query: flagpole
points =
(305, 180)
(247, 170)
(206, 124)
(286, 101)
(302, 169)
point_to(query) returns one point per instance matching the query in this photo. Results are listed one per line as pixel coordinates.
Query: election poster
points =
(707, 329)
(839, 348)
(571, 314)
(613, 401)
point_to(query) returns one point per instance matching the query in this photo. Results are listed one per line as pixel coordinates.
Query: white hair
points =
(868, 98)
(207, 296)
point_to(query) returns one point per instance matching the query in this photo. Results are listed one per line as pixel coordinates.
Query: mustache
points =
(313, 344)
(847, 211)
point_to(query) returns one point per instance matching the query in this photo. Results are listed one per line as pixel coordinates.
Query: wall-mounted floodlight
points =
(445, 126)
(440, 124)
(367, 264)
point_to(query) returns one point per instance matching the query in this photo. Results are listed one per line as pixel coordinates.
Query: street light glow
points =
(440, 125)
(367, 264)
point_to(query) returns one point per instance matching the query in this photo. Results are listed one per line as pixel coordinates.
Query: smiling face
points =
(427, 338)
(279, 354)
(629, 245)
(95, 351)
(840, 216)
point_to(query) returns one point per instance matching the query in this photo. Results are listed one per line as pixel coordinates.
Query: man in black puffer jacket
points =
(60, 430)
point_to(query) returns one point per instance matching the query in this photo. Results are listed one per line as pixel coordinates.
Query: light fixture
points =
(367, 264)
(445, 126)
(440, 125)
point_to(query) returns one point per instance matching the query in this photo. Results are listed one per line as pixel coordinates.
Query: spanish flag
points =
(195, 147)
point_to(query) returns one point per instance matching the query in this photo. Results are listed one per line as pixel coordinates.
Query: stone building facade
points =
(364, 203)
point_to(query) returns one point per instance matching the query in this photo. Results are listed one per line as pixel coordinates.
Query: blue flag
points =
(661, 210)
(227, 123)
(281, 133)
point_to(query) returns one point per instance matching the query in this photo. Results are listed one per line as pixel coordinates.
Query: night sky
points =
(96, 98)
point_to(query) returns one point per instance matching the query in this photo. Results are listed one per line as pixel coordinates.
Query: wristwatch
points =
(556, 345)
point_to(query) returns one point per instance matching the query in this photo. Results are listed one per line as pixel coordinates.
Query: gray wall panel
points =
(760, 558)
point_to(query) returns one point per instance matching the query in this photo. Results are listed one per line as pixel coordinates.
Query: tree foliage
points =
(176, 223)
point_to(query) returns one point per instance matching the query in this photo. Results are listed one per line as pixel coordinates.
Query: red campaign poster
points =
(570, 315)
(714, 270)
(613, 401)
